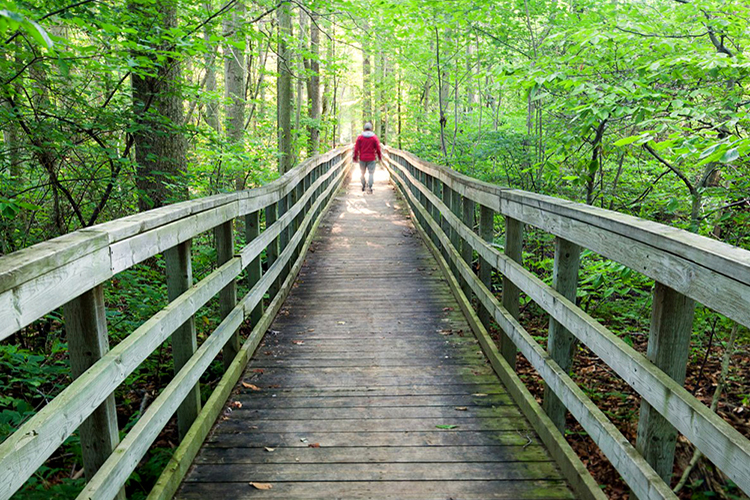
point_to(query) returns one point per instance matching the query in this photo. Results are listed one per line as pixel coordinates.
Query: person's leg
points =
(371, 169)
(363, 168)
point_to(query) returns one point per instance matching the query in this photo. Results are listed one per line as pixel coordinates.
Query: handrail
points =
(69, 271)
(686, 266)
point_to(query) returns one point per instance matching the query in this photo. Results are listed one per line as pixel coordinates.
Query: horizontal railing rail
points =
(685, 266)
(69, 272)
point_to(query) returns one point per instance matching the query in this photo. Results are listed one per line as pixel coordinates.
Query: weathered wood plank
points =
(86, 331)
(561, 343)
(668, 348)
(384, 490)
(375, 454)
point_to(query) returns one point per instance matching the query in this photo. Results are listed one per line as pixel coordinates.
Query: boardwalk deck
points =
(365, 363)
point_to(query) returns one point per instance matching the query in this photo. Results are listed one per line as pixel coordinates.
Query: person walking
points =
(366, 151)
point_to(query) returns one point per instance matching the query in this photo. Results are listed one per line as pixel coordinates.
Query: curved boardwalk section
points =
(370, 384)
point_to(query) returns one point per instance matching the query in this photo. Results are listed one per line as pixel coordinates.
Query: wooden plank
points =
(668, 348)
(561, 344)
(380, 454)
(385, 490)
(130, 251)
(25, 450)
(179, 269)
(86, 331)
(381, 413)
(224, 236)
(420, 438)
(472, 471)
(30, 263)
(511, 295)
(254, 269)
(487, 233)
(252, 400)
(722, 293)
(36, 297)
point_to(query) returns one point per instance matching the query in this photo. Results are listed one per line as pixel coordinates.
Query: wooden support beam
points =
(86, 331)
(487, 233)
(228, 296)
(561, 344)
(184, 342)
(254, 270)
(468, 216)
(272, 252)
(511, 294)
(668, 348)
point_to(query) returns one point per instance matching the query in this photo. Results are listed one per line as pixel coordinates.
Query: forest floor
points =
(621, 404)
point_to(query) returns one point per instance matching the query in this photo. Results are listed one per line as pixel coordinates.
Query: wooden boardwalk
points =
(370, 384)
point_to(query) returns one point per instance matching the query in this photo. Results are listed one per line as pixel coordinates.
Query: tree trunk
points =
(284, 89)
(212, 107)
(366, 79)
(157, 106)
(313, 87)
(234, 82)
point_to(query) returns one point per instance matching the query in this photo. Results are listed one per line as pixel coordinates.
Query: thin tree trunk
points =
(234, 81)
(284, 89)
(313, 87)
(366, 78)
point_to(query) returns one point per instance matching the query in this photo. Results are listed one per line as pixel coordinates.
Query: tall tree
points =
(284, 88)
(313, 86)
(157, 105)
(234, 80)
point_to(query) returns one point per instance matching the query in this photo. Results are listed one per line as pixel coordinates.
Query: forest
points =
(114, 107)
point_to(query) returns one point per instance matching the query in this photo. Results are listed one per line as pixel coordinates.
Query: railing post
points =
(228, 296)
(668, 348)
(431, 209)
(272, 251)
(511, 294)
(456, 208)
(468, 208)
(561, 343)
(184, 343)
(487, 233)
(254, 270)
(86, 331)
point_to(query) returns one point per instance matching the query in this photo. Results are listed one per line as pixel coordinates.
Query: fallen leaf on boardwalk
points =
(261, 486)
(269, 449)
(480, 394)
(236, 404)
(447, 309)
(341, 323)
(304, 440)
(445, 332)
(298, 342)
(446, 426)
(313, 445)
(258, 370)
(461, 408)
(250, 386)
(311, 329)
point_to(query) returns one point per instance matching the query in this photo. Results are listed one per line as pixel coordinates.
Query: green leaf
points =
(446, 426)
(730, 155)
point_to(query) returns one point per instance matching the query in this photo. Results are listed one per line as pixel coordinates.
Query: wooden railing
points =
(685, 266)
(69, 271)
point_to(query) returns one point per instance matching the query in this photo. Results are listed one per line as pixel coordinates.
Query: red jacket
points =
(367, 147)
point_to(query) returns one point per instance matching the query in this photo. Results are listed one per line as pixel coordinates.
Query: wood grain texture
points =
(377, 421)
